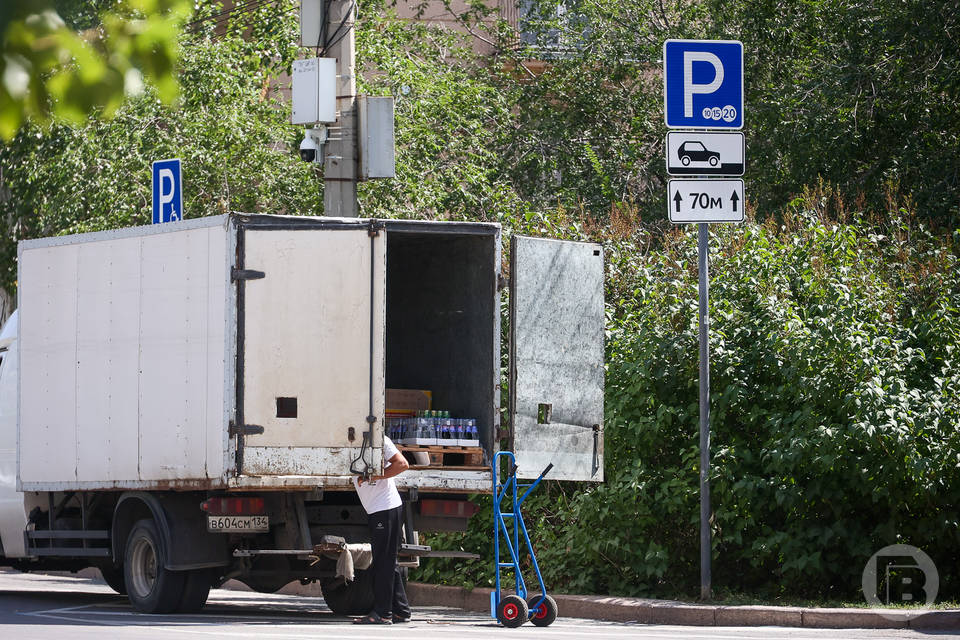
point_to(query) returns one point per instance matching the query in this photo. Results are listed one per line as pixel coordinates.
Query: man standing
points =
(381, 501)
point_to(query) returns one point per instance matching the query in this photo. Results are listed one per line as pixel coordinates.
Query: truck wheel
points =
(351, 599)
(113, 576)
(545, 614)
(150, 587)
(196, 588)
(512, 611)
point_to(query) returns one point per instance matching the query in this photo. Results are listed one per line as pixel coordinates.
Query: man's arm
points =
(398, 464)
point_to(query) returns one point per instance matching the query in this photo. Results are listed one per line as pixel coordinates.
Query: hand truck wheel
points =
(545, 614)
(512, 611)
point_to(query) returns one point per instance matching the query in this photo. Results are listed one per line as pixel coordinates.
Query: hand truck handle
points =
(547, 470)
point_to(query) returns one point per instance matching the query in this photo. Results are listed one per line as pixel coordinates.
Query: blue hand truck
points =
(515, 609)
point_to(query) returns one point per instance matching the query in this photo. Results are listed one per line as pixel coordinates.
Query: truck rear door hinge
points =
(246, 274)
(245, 430)
(374, 227)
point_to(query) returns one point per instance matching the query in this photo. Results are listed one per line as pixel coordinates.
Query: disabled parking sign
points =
(167, 191)
(703, 84)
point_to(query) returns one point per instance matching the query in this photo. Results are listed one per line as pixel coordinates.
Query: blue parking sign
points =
(703, 84)
(167, 191)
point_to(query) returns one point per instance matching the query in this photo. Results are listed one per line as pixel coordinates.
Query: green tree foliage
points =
(47, 69)
(229, 127)
(447, 113)
(860, 94)
(834, 410)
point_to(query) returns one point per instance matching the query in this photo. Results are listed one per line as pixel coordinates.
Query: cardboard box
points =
(408, 401)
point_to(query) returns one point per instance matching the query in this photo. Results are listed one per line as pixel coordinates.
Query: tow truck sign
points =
(699, 153)
(692, 201)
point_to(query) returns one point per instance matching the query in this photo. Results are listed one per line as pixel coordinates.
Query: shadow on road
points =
(99, 607)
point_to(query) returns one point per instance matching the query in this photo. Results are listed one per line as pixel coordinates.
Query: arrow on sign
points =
(677, 199)
(734, 199)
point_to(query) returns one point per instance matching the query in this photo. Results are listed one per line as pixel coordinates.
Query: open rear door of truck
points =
(311, 317)
(556, 357)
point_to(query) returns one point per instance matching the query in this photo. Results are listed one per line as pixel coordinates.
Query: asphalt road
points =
(41, 607)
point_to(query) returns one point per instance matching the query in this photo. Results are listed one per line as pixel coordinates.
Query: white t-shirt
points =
(382, 494)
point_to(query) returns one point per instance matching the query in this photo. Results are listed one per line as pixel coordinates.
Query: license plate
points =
(238, 524)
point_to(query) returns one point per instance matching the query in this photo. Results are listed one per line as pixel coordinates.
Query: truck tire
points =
(196, 589)
(350, 599)
(113, 576)
(150, 587)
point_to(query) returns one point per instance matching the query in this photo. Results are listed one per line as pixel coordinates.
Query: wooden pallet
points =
(447, 457)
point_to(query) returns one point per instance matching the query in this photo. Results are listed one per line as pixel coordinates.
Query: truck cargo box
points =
(252, 351)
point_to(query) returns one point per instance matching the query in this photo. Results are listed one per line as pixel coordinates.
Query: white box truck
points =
(188, 402)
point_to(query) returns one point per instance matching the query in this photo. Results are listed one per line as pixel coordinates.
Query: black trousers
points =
(389, 597)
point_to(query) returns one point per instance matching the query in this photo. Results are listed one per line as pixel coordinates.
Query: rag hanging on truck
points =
(515, 609)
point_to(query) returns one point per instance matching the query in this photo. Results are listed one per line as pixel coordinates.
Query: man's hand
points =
(361, 480)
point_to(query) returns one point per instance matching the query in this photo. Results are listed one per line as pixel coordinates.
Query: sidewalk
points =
(682, 613)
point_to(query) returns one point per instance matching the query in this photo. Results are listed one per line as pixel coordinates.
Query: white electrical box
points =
(377, 155)
(311, 23)
(314, 90)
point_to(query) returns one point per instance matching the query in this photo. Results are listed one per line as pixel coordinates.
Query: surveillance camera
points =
(311, 148)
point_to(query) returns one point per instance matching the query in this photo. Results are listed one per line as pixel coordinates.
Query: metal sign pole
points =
(694, 105)
(703, 248)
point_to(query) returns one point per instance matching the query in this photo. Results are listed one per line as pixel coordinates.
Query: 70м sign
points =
(693, 201)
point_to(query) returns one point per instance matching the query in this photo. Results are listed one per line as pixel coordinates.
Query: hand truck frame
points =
(515, 609)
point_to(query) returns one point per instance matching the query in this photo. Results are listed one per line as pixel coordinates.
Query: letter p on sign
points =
(703, 84)
(167, 191)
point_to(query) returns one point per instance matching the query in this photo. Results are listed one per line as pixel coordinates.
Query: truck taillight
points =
(448, 508)
(234, 506)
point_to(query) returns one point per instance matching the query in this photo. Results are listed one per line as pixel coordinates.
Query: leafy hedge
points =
(835, 410)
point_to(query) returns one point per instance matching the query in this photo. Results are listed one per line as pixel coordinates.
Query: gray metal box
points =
(314, 91)
(311, 22)
(377, 156)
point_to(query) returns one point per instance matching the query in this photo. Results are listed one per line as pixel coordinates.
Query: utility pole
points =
(340, 165)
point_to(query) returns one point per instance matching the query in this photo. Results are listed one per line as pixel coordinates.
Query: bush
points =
(835, 403)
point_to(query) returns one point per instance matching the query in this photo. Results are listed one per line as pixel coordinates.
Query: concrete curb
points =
(681, 613)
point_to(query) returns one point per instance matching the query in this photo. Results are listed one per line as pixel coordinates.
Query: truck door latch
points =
(245, 430)
(246, 274)
(596, 449)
